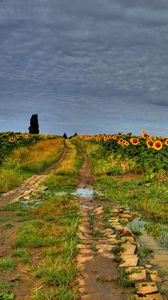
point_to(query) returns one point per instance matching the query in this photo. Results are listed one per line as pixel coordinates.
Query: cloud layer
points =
(87, 66)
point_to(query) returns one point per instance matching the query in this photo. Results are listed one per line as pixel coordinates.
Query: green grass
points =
(135, 194)
(20, 252)
(58, 183)
(124, 279)
(50, 229)
(7, 264)
(7, 226)
(4, 218)
(59, 294)
(144, 254)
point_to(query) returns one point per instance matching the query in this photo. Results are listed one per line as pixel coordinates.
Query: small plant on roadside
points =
(124, 279)
(7, 264)
(144, 254)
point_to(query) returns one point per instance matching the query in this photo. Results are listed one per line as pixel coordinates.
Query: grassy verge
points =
(25, 161)
(72, 163)
(148, 199)
(47, 237)
(53, 232)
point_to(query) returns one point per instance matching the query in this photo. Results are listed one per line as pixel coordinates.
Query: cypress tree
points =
(34, 126)
(65, 136)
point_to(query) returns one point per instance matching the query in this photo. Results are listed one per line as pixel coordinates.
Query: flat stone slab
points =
(126, 231)
(138, 273)
(98, 210)
(145, 288)
(129, 248)
(129, 260)
(156, 296)
(116, 210)
(154, 276)
(126, 216)
(128, 239)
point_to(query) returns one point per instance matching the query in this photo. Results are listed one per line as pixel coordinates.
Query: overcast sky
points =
(84, 66)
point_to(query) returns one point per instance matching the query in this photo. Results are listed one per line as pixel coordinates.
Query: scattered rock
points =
(154, 297)
(128, 248)
(138, 274)
(129, 260)
(116, 210)
(99, 210)
(126, 231)
(144, 288)
(154, 276)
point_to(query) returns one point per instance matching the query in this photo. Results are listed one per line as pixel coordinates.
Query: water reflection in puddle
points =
(30, 204)
(160, 254)
(84, 192)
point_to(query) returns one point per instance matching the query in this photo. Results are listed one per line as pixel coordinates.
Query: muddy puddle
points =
(159, 258)
(84, 192)
(30, 204)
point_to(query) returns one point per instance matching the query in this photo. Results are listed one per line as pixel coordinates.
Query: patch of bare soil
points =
(127, 177)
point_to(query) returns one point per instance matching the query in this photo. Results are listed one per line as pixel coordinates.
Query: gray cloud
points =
(84, 66)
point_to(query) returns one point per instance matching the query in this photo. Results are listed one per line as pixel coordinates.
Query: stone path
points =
(98, 270)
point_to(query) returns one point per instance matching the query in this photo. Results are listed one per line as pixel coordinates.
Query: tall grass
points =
(70, 165)
(25, 161)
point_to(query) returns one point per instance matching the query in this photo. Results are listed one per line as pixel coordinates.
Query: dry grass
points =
(68, 166)
(25, 161)
(36, 157)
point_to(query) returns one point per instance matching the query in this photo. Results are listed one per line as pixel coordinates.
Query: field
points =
(64, 206)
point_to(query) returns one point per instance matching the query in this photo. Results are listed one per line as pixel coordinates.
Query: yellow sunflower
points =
(149, 143)
(134, 141)
(12, 140)
(166, 142)
(120, 142)
(125, 143)
(26, 136)
(114, 137)
(158, 145)
(144, 134)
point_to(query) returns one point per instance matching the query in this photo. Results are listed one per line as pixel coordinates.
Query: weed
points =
(58, 294)
(20, 252)
(91, 221)
(124, 279)
(4, 219)
(7, 226)
(6, 296)
(93, 247)
(97, 234)
(7, 264)
(144, 254)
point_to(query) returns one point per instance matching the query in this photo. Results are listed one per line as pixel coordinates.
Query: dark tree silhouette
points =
(65, 136)
(73, 135)
(34, 126)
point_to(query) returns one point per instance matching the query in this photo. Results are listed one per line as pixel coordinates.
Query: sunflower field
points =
(12, 140)
(145, 154)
